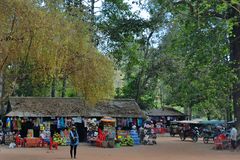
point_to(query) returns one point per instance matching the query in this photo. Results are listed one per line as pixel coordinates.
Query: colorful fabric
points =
(134, 121)
(8, 122)
(140, 122)
(19, 124)
(62, 123)
(15, 127)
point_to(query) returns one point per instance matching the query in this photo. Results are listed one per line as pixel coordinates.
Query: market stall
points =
(53, 117)
(106, 132)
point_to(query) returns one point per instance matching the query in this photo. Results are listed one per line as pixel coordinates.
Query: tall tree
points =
(55, 42)
(207, 35)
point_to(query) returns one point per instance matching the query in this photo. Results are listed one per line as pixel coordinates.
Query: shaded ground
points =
(168, 148)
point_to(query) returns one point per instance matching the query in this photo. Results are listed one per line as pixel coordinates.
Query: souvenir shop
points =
(42, 120)
(163, 116)
(119, 131)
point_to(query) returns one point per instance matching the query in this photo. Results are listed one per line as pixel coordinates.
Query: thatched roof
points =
(50, 107)
(165, 112)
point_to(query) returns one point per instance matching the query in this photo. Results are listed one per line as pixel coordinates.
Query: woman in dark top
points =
(74, 141)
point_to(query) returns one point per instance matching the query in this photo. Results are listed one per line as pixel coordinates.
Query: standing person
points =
(74, 141)
(233, 136)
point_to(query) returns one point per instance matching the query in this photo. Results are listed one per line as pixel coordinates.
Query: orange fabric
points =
(33, 142)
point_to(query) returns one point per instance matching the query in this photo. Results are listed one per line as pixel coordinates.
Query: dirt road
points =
(168, 148)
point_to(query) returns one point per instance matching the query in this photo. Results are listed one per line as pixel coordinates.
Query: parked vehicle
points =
(149, 138)
(2, 137)
(189, 129)
(207, 135)
(190, 133)
(174, 128)
(211, 129)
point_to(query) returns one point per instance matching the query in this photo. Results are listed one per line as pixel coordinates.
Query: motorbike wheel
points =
(205, 140)
(172, 134)
(182, 137)
(195, 139)
(144, 142)
(154, 142)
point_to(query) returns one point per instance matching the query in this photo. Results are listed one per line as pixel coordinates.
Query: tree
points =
(129, 40)
(205, 40)
(54, 43)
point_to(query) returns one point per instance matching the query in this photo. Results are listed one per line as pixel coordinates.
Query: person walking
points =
(74, 141)
(233, 136)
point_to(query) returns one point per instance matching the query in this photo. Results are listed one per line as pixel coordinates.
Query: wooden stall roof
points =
(166, 111)
(71, 107)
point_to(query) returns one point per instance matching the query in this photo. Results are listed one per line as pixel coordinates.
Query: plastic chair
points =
(221, 142)
(19, 141)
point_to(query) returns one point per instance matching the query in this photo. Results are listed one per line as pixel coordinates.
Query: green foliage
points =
(56, 45)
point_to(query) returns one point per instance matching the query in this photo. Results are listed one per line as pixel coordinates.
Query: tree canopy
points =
(41, 41)
(182, 53)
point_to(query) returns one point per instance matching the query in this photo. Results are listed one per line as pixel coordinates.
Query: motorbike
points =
(209, 135)
(191, 133)
(2, 138)
(149, 138)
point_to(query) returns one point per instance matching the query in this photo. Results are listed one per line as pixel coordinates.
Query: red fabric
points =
(19, 141)
(101, 138)
(53, 144)
(222, 137)
(219, 141)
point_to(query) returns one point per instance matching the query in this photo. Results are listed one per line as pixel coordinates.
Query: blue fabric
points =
(140, 122)
(62, 123)
(58, 123)
(71, 138)
(46, 140)
(8, 123)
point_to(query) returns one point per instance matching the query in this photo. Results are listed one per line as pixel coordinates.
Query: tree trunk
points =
(1, 84)
(64, 85)
(53, 89)
(92, 29)
(1, 94)
(209, 116)
(229, 110)
(185, 110)
(189, 113)
(235, 58)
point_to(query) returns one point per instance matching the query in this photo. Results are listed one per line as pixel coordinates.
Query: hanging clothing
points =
(140, 122)
(36, 131)
(134, 121)
(8, 123)
(38, 121)
(42, 128)
(65, 120)
(15, 127)
(58, 123)
(19, 124)
(69, 122)
(62, 123)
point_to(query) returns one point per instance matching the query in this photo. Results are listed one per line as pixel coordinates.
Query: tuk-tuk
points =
(189, 129)
(212, 129)
(174, 128)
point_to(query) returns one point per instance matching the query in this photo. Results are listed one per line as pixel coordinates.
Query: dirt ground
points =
(168, 148)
